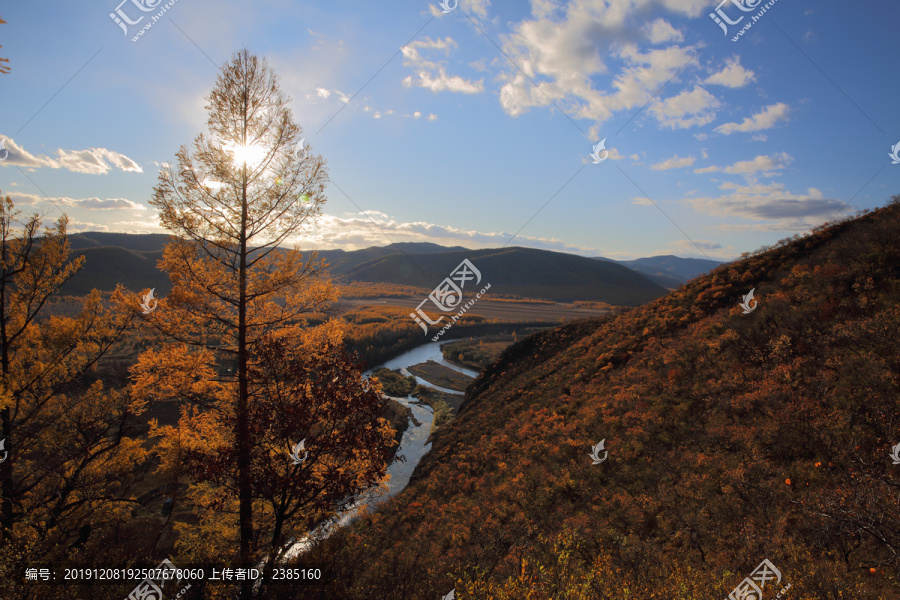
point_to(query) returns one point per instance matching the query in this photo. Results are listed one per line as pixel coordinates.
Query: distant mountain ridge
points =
(130, 259)
(669, 271)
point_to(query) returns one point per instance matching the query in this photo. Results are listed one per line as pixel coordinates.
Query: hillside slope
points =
(732, 438)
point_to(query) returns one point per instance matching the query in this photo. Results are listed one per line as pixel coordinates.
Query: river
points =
(413, 445)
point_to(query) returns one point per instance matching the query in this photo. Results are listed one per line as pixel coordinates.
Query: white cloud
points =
(733, 75)
(20, 157)
(82, 161)
(96, 161)
(766, 119)
(325, 94)
(444, 83)
(660, 31)
(674, 163)
(478, 8)
(433, 75)
(138, 227)
(687, 109)
(688, 246)
(542, 9)
(761, 164)
(353, 231)
(569, 71)
(23, 199)
(106, 204)
(642, 201)
(784, 210)
(564, 50)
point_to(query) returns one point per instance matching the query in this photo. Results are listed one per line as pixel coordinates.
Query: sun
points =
(252, 155)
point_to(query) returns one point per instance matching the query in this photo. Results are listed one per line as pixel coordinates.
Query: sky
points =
(473, 123)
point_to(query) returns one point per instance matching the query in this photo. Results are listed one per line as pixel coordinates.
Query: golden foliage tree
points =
(243, 190)
(66, 461)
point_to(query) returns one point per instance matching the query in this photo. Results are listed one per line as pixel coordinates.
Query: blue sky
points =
(468, 127)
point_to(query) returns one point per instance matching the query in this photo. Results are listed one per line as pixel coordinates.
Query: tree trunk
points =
(6, 489)
(245, 499)
(6, 483)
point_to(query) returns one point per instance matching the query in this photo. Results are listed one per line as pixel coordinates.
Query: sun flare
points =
(252, 155)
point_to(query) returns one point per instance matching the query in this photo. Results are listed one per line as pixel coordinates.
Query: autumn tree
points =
(243, 190)
(66, 460)
(320, 443)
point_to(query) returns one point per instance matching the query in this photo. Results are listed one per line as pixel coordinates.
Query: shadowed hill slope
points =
(519, 271)
(732, 438)
(107, 266)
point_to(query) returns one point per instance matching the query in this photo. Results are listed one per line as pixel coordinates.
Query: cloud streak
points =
(766, 119)
(93, 161)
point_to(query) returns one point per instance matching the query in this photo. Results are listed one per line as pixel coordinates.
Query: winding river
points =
(413, 445)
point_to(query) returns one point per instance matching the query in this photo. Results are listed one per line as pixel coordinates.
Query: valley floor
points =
(489, 309)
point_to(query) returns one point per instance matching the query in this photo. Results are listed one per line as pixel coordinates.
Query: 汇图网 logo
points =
(596, 153)
(895, 454)
(297, 449)
(142, 5)
(148, 298)
(123, 20)
(895, 154)
(751, 588)
(595, 452)
(448, 296)
(445, 4)
(721, 18)
(749, 304)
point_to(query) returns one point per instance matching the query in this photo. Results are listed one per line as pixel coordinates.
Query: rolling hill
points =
(683, 269)
(131, 260)
(107, 266)
(518, 271)
(733, 437)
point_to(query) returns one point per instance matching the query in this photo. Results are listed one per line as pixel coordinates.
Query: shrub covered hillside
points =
(732, 438)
